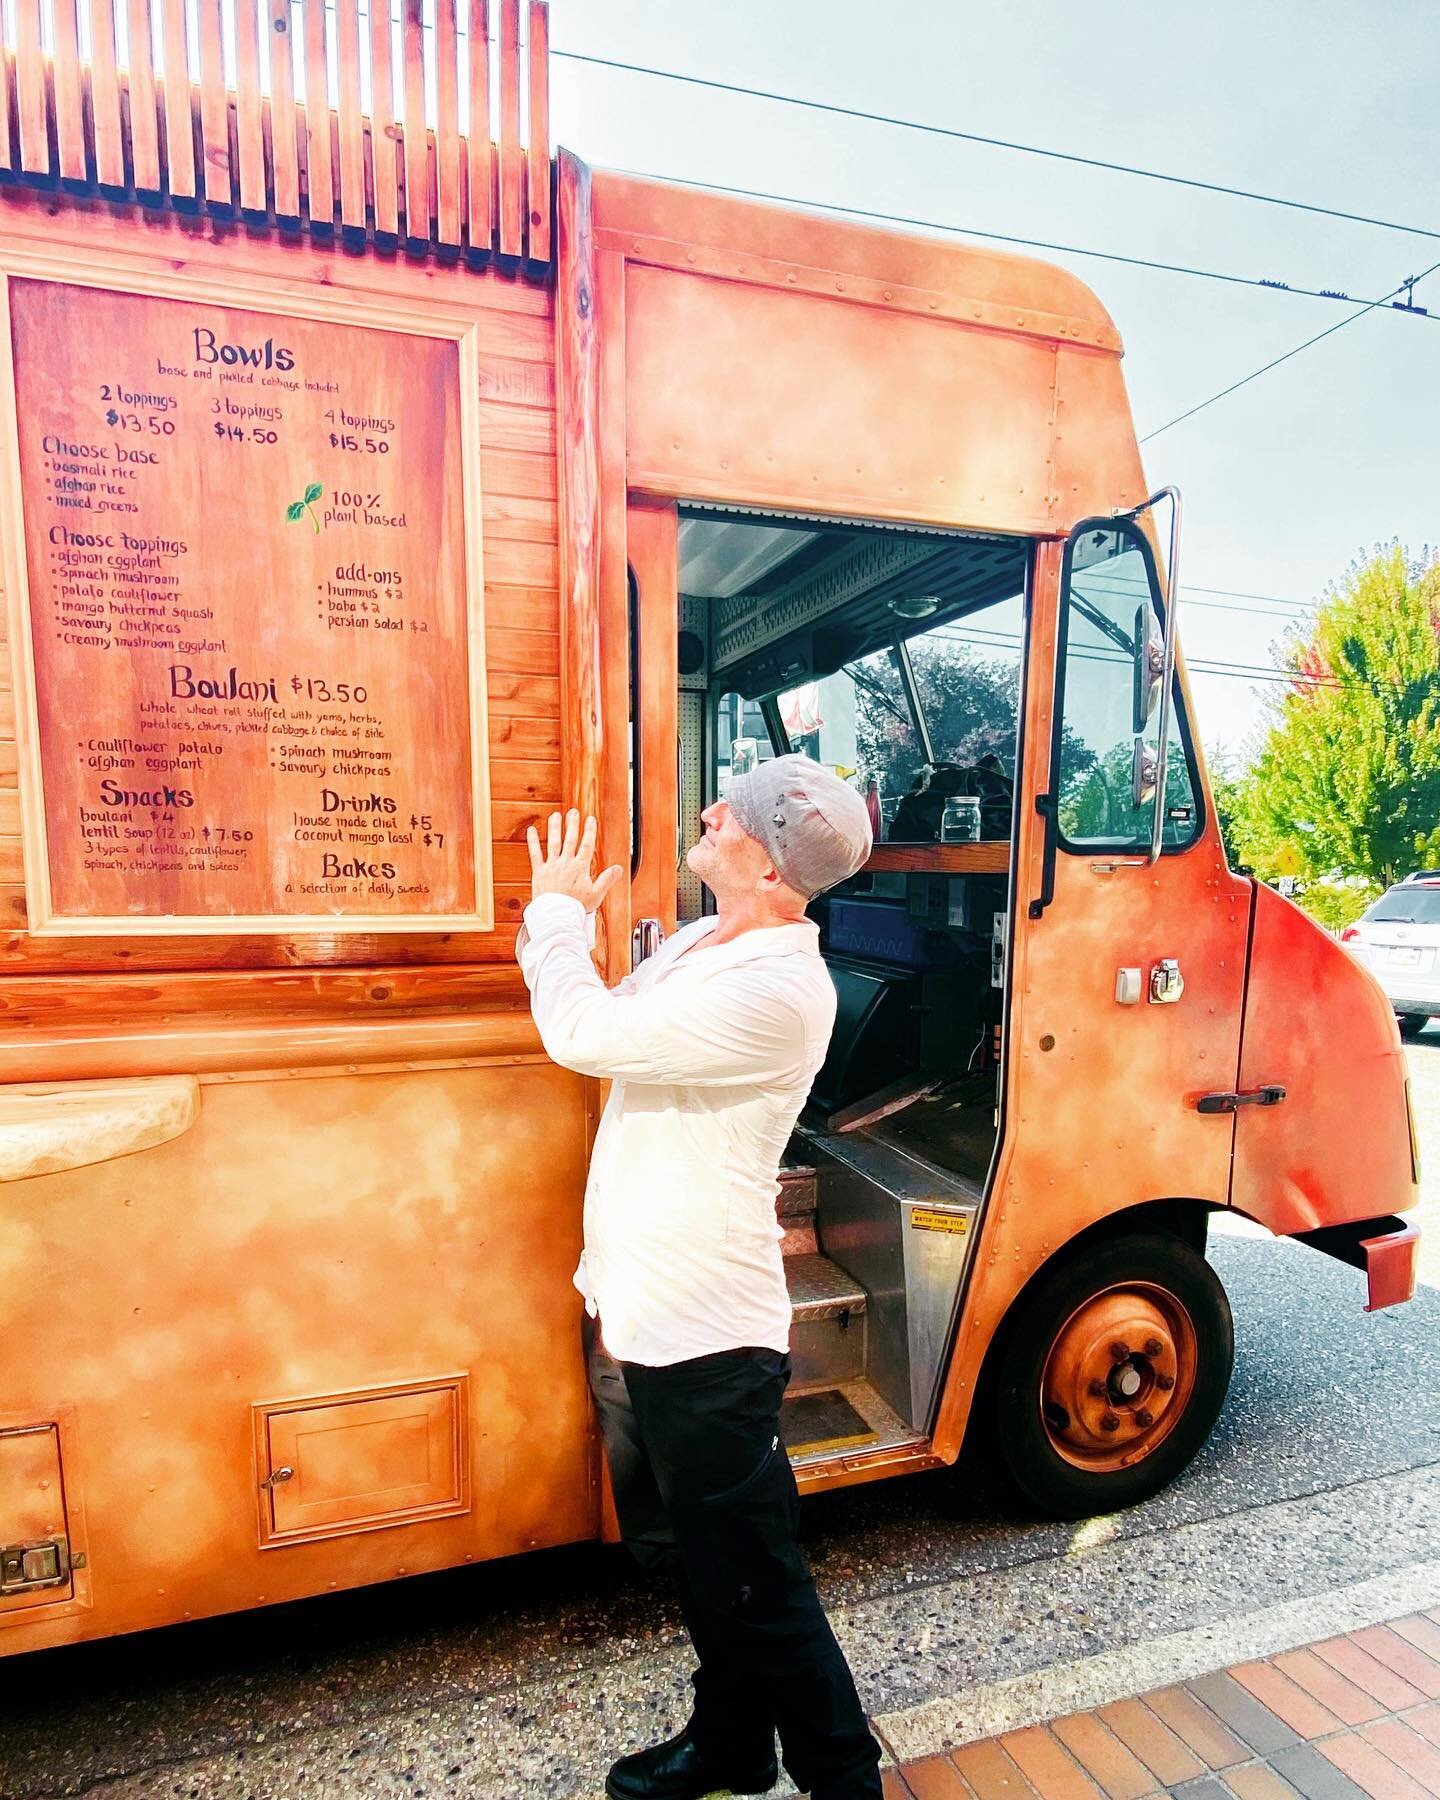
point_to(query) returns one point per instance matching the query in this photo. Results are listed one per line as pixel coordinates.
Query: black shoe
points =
(676, 1771)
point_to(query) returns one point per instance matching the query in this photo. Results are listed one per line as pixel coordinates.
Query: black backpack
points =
(917, 818)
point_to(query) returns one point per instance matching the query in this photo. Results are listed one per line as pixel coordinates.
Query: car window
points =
(1408, 904)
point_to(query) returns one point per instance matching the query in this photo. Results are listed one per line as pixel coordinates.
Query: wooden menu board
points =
(243, 561)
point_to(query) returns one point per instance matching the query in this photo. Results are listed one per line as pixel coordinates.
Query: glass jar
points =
(960, 822)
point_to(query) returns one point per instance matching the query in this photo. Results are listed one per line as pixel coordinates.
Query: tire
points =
(1411, 1024)
(1132, 1292)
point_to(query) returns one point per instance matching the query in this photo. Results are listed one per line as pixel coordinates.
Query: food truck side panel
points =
(354, 1263)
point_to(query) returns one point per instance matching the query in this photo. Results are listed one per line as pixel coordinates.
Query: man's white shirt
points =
(711, 1050)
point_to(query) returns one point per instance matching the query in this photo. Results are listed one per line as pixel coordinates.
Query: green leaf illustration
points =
(297, 509)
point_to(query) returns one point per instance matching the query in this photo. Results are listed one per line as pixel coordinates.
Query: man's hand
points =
(566, 869)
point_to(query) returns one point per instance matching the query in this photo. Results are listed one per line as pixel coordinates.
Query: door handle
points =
(1229, 1103)
(645, 940)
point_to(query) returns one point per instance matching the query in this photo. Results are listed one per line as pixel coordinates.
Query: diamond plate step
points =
(820, 1289)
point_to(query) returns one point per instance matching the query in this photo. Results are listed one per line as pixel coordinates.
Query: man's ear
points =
(770, 882)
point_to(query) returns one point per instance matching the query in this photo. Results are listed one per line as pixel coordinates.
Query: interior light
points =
(914, 606)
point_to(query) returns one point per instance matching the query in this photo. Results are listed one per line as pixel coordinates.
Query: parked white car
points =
(1398, 940)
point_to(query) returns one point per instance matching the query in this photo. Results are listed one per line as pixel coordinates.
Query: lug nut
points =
(1165, 1383)
(1097, 1390)
(1144, 1418)
(1120, 1350)
(1153, 1347)
(1110, 1422)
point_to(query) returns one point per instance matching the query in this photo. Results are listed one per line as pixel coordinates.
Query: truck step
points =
(820, 1289)
(827, 1336)
(795, 1209)
(796, 1199)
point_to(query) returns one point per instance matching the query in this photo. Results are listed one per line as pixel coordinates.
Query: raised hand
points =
(565, 866)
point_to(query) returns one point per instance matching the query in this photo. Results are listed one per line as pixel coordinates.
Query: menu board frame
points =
(270, 299)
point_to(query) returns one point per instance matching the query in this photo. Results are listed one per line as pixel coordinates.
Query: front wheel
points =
(1411, 1024)
(1114, 1367)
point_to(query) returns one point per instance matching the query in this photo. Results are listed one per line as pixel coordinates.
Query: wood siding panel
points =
(179, 120)
(512, 167)
(214, 108)
(480, 192)
(319, 167)
(284, 120)
(249, 111)
(352, 134)
(382, 124)
(105, 97)
(447, 127)
(140, 90)
(65, 83)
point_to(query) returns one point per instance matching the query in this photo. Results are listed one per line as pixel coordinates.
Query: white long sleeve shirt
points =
(711, 1051)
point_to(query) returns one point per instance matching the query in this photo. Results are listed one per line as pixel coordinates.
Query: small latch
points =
(283, 1473)
(1127, 987)
(1167, 984)
(40, 1563)
(1229, 1103)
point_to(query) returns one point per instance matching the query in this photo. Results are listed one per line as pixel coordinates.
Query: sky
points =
(1286, 481)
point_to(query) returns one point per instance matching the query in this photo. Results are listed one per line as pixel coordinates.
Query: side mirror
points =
(1149, 665)
(1144, 774)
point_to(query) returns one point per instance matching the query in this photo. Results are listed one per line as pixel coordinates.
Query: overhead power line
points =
(982, 638)
(1031, 243)
(1408, 285)
(975, 137)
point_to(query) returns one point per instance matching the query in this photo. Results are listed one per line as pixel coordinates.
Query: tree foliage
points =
(1347, 777)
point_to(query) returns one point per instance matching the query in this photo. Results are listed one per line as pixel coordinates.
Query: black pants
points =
(703, 1486)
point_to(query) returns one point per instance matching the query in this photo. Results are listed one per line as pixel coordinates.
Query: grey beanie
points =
(814, 826)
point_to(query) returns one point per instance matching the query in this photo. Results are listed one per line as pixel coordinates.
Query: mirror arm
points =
(1167, 681)
(1172, 636)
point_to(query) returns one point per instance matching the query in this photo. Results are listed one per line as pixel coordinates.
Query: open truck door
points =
(1111, 1365)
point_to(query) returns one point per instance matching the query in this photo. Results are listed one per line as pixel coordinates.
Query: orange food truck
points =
(373, 484)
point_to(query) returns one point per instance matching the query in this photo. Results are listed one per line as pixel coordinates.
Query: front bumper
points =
(1388, 1250)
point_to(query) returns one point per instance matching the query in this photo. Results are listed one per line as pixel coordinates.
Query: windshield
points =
(856, 721)
(967, 676)
(1406, 905)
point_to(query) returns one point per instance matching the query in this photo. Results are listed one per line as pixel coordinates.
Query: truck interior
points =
(893, 655)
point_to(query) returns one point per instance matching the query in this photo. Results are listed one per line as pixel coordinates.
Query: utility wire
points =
(975, 137)
(1276, 361)
(981, 638)
(1029, 243)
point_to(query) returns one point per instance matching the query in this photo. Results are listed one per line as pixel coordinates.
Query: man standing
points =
(711, 1047)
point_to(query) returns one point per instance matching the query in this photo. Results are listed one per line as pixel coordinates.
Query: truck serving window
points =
(1109, 595)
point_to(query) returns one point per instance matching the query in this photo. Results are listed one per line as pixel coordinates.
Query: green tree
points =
(1227, 789)
(1347, 778)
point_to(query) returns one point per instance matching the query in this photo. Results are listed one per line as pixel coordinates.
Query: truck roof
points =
(1008, 291)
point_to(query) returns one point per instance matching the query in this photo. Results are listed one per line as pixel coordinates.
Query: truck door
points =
(1129, 973)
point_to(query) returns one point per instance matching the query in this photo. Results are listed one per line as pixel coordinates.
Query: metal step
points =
(820, 1289)
(827, 1337)
(796, 1199)
(795, 1209)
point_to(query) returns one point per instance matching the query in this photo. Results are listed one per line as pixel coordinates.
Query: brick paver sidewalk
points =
(1342, 1719)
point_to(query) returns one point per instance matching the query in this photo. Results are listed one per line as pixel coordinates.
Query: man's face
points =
(727, 859)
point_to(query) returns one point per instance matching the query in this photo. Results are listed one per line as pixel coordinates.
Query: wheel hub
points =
(1118, 1376)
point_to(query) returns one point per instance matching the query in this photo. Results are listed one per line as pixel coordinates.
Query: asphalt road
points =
(1316, 1492)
